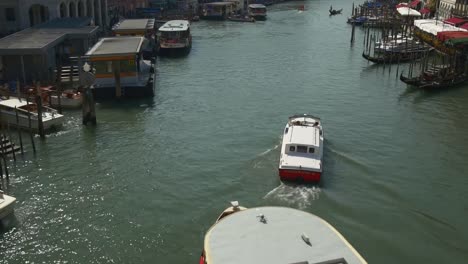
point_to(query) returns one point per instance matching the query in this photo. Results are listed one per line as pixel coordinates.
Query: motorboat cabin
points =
(276, 235)
(175, 35)
(302, 149)
(120, 69)
(258, 11)
(28, 112)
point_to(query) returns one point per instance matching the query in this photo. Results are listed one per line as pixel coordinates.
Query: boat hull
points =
(259, 17)
(7, 206)
(299, 175)
(9, 118)
(109, 92)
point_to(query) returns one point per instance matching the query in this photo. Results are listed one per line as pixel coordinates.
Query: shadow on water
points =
(8, 223)
(422, 95)
(131, 103)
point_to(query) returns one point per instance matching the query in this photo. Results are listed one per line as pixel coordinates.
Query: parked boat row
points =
(275, 235)
(232, 11)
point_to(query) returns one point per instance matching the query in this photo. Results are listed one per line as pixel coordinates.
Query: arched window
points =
(63, 10)
(72, 9)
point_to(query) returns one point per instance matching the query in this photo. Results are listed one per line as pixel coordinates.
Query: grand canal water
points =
(149, 180)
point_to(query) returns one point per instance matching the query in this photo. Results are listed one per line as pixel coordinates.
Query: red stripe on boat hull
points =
(299, 175)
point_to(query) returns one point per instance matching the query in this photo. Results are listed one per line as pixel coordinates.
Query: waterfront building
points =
(35, 53)
(17, 15)
(125, 8)
(120, 69)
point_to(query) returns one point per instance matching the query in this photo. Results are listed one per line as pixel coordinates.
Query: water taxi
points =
(302, 149)
(175, 35)
(120, 69)
(7, 204)
(51, 119)
(258, 11)
(276, 235)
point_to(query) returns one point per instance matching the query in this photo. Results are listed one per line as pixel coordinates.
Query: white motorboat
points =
(7, 204)
(302, 149)
(276, 235)
(175, 35)
(258, 11)
(9, 108)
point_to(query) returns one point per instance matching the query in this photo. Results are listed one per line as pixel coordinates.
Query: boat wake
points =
(348, 158)
(300, 196)
(268, 151)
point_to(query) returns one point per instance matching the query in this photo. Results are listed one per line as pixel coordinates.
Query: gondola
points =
(394, 57)
(438, 83)
(335, 12)
(241, 19)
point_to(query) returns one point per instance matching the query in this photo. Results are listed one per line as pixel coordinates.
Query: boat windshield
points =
(174, 34)
(258, 10)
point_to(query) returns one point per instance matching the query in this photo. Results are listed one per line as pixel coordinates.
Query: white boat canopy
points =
(175, 25)
(434, 26)
(406, 11)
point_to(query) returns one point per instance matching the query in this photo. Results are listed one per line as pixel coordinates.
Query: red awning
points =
(415, 3)
(401, 5)
(464, 26)
(424, 11)
(446, 35)
(454, 21)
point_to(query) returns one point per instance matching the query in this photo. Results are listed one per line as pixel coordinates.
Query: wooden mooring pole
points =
(40, 125)
(31, 130)
(20, 136)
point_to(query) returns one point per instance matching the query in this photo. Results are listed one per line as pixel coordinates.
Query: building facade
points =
(445, 8)
(16, 15)
(125, 8)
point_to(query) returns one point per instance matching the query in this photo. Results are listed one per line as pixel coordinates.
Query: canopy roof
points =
(455, 21)
(36, 40)
(457, 41)
(433, 26)
(134, 24)
(425, 11)
(415, 3)
(406, 11)
(116, 46)
(446, 35)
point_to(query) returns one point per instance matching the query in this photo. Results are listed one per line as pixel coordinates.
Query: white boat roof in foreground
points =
(285, 236)
(175, 25)
(434, 26)
(13, 102)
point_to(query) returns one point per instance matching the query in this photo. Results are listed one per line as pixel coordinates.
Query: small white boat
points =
(7, 204)
(276, 235)
(302, 149)
(258, 11)
(50, 117)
